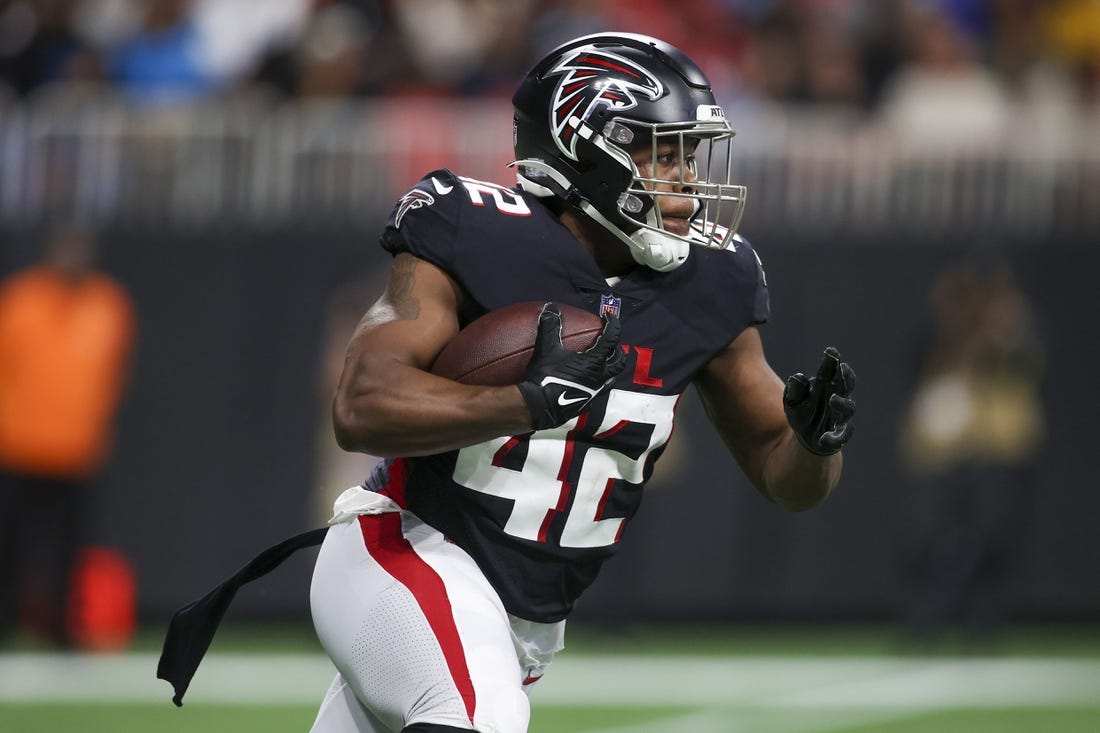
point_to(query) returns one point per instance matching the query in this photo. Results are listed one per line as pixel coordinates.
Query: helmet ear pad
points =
(605, 172)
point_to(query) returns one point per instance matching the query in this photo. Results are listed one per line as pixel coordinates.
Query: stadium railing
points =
(248, 160)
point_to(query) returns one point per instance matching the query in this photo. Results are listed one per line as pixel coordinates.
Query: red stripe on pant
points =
(390, 549)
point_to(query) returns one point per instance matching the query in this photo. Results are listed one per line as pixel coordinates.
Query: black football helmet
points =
(587, 106)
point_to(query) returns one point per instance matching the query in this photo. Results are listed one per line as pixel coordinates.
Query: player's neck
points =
(612, 256)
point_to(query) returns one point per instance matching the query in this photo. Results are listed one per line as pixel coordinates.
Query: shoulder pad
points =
(423, 221)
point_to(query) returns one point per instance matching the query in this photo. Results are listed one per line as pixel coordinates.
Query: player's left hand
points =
(820, 409)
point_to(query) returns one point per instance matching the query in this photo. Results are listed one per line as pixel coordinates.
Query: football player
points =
(443, 584)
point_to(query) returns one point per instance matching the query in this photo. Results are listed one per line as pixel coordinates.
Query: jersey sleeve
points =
(755, 281)
(720, 293)
(425, 221)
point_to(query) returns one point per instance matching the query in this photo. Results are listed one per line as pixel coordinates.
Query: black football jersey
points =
(541, 512)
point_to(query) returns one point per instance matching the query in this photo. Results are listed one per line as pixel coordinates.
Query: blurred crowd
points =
(852, 52)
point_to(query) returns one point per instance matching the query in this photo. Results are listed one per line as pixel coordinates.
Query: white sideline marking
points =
(251, 678)
(816, 682)
(869, 686)
(759, 720)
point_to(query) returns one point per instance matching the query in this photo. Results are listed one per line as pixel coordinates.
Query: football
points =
(494, 350)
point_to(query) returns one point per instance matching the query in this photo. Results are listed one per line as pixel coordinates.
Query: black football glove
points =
(560, 383)
(820, 408)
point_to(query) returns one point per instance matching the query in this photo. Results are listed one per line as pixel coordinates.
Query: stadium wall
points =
(218, 437)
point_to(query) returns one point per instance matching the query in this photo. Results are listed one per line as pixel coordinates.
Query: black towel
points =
(192, 627)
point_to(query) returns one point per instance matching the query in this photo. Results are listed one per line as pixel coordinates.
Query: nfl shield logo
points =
(610, 304)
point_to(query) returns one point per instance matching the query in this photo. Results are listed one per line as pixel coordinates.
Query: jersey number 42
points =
(541, 489)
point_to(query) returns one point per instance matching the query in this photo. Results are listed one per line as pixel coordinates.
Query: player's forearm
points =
(796, 479)
(410, 412)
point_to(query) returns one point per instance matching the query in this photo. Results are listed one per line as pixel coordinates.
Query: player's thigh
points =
(414, 628)
(341, 712)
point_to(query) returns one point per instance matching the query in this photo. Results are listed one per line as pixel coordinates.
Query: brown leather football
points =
(494, 350)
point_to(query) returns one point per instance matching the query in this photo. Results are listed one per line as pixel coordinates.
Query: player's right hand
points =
(560, 383)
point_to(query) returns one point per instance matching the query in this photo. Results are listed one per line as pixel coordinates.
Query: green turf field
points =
(764, 680)
(95, 718)
(107, 718)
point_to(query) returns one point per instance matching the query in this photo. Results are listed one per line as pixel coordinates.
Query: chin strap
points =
(648, 246)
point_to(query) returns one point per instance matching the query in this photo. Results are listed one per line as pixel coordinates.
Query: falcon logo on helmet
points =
(593, 78)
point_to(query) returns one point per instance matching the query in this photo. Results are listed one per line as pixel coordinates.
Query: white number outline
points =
(507, 201)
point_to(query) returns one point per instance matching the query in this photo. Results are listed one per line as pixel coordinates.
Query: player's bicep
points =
(415, 317)
(743, 397)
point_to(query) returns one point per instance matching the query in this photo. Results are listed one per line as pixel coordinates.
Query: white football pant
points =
(417, 634)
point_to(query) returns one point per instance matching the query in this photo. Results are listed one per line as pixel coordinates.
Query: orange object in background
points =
(103, 600)
(64, 349)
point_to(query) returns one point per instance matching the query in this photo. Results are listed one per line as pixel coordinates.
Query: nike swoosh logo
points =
(572, 400)
(440, 188)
